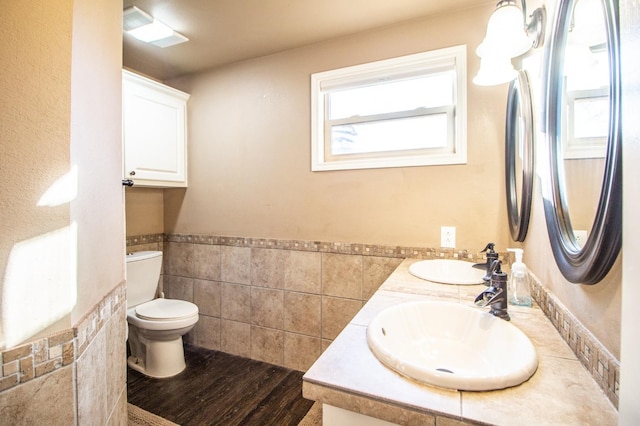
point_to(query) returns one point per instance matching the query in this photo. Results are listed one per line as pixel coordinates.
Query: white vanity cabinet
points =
(154, 122)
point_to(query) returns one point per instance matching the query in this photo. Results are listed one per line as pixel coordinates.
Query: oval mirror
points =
(583, 192)
(519, 155)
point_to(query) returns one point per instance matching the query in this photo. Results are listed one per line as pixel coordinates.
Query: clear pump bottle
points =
(519, 289)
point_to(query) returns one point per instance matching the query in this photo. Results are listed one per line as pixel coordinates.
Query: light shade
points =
(495, 70)
(506, 33)
(146, 28)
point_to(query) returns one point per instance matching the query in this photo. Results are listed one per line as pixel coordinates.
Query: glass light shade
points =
(506, 34)
(495, 70)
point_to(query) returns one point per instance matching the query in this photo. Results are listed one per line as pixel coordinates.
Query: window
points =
(587, 124)
(407, 111)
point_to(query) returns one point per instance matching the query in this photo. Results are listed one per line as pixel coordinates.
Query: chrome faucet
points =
(496, 295)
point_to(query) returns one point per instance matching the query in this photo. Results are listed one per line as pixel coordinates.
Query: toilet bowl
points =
(156, 326)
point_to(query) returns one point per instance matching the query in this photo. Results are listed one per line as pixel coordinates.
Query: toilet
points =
(156, 325)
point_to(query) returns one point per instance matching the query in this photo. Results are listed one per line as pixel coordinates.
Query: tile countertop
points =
(347, 375)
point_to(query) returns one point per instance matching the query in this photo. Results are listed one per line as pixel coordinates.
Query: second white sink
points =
(447, 271)
(451, 346)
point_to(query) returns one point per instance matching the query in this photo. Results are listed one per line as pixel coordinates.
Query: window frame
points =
(580, 147)
(431, 62)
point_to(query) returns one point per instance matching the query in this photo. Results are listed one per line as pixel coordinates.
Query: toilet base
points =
(161, 358)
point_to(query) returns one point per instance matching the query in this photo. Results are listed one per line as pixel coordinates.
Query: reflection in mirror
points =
(583, 198)
(519, 156)
(585, 114)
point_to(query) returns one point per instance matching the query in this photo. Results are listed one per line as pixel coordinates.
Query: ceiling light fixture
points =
(508, 36)
(148, 29)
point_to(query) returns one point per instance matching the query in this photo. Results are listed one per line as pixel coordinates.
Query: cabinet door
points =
(154, 133)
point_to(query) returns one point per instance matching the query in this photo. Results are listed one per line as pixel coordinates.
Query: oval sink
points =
(452, 346)
(447, 271)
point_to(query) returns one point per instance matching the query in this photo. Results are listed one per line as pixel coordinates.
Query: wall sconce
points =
(148, 29)
(495, 70)
(508, 36)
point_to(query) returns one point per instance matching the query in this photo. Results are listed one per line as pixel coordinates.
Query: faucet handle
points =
(491, 254)
(495, 267)
(489, 248)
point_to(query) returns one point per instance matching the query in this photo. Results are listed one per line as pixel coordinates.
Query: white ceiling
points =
(227, 31)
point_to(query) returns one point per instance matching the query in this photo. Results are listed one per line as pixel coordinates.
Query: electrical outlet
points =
(581, 237)
(448, 236)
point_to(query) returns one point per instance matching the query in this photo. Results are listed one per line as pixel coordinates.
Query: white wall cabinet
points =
(154, 120)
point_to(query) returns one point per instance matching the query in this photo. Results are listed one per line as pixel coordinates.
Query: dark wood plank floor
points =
(221, 389)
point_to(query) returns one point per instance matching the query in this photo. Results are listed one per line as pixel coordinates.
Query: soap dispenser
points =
(519, 288)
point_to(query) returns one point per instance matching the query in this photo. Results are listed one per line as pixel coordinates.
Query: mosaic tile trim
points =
(603, 367)
(35, 359)
(89, 326)
(43, 356)
(318, 246)
(145, 239)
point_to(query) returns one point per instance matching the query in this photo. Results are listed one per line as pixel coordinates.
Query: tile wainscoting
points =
(599, 362)
(75, 376)
(284, 301)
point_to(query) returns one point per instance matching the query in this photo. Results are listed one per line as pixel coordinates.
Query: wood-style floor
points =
(221, 389)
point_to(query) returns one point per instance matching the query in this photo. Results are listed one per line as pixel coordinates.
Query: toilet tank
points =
(143, 273)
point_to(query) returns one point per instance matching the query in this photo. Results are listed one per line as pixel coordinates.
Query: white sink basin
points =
(452, 346)
(447, 271)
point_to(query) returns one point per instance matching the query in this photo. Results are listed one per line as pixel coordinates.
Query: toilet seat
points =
(166, 310)
(178, 314)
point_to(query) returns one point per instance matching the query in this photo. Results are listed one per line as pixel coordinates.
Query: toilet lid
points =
(166, 309)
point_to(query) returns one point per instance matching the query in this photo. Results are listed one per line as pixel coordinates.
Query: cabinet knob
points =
(132, 173)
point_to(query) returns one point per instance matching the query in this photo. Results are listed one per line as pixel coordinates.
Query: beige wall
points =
(61, 109)
(62, 261)
(249, 153)
(34, 138)
(144, 210)
(597, 306)
(96, 148)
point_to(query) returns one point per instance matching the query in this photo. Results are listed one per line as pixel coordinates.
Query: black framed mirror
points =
(583, 181)
(519, 155)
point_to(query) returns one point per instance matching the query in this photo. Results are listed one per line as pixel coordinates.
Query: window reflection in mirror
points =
(585, 124)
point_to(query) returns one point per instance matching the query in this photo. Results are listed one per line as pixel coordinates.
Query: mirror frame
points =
(590, 263)
(519, 97)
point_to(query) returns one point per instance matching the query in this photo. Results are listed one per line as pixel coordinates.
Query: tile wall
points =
(76, 376)
(594, 357)
(276, 301)
(284, 301)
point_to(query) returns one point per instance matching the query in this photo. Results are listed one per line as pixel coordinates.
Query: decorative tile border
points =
(603, 367)
(313, 246)
(89, 326)
(43, 356)
(145, 239)
(35, 359)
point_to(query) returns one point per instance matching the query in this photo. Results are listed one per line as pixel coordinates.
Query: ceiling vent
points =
(148, 29)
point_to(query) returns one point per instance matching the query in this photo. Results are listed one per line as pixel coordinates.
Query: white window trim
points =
(407, 65)
(574, 147)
